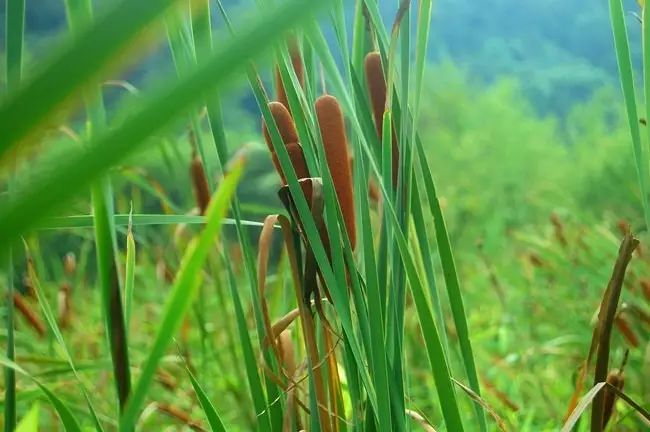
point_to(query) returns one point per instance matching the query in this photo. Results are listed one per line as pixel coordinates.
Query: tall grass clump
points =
(338, 307)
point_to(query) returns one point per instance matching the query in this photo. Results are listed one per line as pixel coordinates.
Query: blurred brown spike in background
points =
(30, 316)
(70, 264)
(296, 61)
(199, 184)
(377, 89)
(297, 161)
(64, 305)
(285, 124)
(626, 331)
(335, 143)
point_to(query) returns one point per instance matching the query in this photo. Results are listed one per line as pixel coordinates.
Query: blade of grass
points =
(86, 221)
(182, 294)
(29, 423)
(584, 403)
(214, 108)
(10, 374)
(250, 362)
(606, 317)
(437, 358)
(450, 275)
(79, 14)
(55, 330)
(624, 60)
(72, 68)
(15, 29)
(51, 190)
(70, 423)
(129, 280)
(209, 410)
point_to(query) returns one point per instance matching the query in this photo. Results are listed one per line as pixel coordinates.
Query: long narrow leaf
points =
(183, 292)
(75, 65)
(51, 190)
(624, 60)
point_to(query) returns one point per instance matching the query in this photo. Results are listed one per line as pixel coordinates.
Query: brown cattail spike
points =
(616, 379)
(335, 143)
(297, 160)
(30, 316)
(626, 331)
(285, 124)
(645, 287)
(296, 61)
(377, 89)
(199, 184)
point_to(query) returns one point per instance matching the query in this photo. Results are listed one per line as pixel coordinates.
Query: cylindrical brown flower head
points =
(377, 89)
(199, 184)
(626, 331)
(29, 314)
(285, 125)
(296, 61)
(616, 379)
(297, 160)
(335, 143)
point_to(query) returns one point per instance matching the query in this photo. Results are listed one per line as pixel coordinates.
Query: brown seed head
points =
(335, 143)
(626, 330)
(616, 379)
(623, 226)
(645, 287)
(199, 184)
(297, 160)
(296, 61)
(377, 89)
(28, 313)
(285, 124)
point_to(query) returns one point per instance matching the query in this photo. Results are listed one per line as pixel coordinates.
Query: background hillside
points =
(560, 50)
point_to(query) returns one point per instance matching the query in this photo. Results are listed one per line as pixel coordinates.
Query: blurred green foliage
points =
(561, 51)
(501, 166)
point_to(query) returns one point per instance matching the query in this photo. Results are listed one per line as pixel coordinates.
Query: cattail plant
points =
(200, 185)
(645, 288)
(289, 136)
(376, 83)
(626, 330)
(335, 144)
(296, 62)
(615, 379)
(25, 309)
